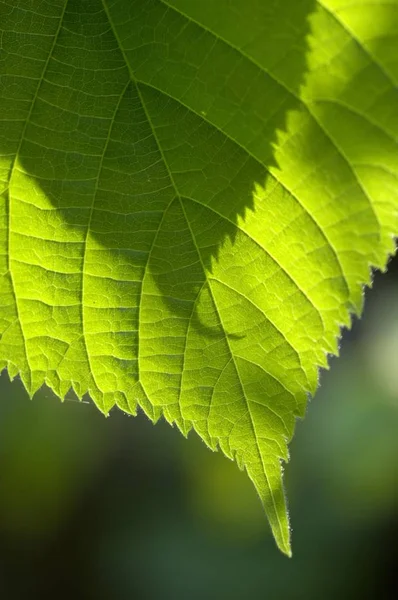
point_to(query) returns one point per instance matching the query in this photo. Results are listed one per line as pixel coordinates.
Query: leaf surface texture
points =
(192, 193)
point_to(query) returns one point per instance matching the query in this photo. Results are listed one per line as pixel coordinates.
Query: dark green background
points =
(97, 508)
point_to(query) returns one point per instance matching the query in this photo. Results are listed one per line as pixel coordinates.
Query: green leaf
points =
(192, 193)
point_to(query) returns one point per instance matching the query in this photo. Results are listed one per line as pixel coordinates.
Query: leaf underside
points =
(192, 196)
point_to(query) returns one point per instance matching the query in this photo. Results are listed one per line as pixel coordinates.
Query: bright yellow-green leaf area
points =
(192, 195)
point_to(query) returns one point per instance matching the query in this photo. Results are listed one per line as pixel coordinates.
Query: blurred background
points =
(95, 508)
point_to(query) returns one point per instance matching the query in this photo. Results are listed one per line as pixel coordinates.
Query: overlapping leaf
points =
(192, 195)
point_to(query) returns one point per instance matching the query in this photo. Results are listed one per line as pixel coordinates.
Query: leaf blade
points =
(191, 207)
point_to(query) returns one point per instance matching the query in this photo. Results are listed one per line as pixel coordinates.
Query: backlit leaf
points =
(192, 195)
